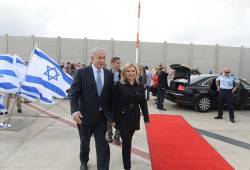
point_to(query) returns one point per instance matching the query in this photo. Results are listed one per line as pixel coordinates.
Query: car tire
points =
(203, 103)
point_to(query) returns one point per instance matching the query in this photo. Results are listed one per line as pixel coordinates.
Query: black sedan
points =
(200, 92)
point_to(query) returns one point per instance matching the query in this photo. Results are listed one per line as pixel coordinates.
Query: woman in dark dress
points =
(128, 99)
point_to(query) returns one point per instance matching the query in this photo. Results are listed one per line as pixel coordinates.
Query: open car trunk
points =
(181, 76)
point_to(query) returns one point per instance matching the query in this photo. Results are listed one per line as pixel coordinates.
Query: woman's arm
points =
(144, 107)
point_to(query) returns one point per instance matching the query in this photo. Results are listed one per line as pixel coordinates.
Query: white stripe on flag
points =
(9, 81)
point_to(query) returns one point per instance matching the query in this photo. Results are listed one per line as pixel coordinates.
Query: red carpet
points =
(175, 145)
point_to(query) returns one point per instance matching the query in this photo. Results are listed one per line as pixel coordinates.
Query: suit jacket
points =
(118, 75)
(84, 96)
(127, 102)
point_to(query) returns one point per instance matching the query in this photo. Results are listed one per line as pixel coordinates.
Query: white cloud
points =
(224, 22)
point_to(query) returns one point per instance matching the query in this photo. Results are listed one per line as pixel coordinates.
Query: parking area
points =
(44, 138)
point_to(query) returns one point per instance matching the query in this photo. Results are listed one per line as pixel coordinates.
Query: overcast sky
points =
(224, 22)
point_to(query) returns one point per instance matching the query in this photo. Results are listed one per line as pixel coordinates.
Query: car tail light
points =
(181, 88)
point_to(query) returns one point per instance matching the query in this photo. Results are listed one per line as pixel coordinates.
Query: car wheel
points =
(203, 104)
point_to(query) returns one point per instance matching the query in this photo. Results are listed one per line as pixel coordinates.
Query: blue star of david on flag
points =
(51, 73)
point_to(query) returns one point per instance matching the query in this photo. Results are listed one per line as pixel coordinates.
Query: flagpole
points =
(4, 125)
(3, 111)
(19, 89)
(137, 35)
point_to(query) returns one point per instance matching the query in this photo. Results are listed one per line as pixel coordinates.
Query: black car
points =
(199, 91)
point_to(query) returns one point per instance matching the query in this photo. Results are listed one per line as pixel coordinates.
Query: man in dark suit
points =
(90, 103)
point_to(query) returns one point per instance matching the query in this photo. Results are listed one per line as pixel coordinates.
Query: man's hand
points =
(77, 117)
(233, 90)
(113, 124)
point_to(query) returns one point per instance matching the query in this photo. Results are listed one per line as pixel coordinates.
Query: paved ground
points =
(44, 138)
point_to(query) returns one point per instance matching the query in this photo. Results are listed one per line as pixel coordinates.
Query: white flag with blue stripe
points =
(20, 67)
(9, 81)
(45, 79)
(2, 106)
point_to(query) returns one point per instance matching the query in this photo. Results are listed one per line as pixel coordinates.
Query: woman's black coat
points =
(127, 102)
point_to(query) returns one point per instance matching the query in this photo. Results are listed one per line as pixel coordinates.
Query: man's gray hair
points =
(95, 50)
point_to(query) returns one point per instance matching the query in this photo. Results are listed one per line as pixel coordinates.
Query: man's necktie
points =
(99, 82)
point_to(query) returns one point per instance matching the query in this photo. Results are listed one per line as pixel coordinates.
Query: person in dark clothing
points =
(148, 81)
(143, 77)
(90, 104)
(116, 65)
(162, 86)
(128, 99)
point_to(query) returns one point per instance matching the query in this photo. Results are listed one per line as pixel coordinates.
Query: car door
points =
(212, 89)
(246, 91)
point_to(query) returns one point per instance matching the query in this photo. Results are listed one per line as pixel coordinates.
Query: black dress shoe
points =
(84, 167)
(19, 110)
(218, 117)
(232, 120)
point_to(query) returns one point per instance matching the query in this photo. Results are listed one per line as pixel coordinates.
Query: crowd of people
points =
(71, 68)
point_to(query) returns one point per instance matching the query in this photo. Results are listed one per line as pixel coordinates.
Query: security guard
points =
(225, 86)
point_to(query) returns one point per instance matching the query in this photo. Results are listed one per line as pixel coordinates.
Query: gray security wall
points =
(204, 57)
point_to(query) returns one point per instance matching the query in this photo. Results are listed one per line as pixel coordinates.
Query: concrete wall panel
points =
(246, 65)
(203, 57)
(48, 45)
(151, 54)
(229, 57)
(72, 50)
(125, 50)
(2, 45)
(21, 46)
(177, 54)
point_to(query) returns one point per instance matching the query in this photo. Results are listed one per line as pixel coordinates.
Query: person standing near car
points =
(162, 86)
(225, 86)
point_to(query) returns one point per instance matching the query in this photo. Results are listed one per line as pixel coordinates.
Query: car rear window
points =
(245, 84)
(197, 78)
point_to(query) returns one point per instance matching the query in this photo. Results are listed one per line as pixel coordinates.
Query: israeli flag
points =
(8, 78)
(45, 79)
(2, 107)
(20, 67)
